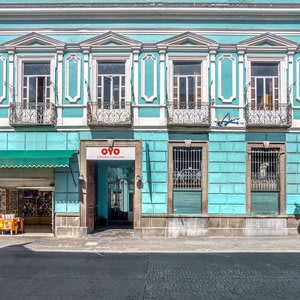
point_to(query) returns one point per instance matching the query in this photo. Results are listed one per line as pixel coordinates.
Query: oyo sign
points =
(110, 153)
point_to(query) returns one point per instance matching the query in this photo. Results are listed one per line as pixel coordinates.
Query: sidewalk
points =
(121, 244)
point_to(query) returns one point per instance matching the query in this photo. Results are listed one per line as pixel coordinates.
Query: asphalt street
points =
(65, 275)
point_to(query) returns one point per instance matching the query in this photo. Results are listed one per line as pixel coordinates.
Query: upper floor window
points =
(36, 83)
(264, 86)
(111, 84)
(187, 85)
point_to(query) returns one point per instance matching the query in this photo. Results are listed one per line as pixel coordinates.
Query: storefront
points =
(27, 187)
(110, 173)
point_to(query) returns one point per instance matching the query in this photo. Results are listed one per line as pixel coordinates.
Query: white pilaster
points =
(212, 85)
(241, 85)
(136, 85)
(291, 76)
(59, 87)
(163, 101)
(86, 55)
(12, 87)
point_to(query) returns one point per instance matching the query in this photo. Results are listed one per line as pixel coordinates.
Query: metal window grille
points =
(187, 167)
(265, 169)
(111, 90)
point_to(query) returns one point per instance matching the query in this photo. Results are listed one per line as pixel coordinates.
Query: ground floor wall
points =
(226, 181)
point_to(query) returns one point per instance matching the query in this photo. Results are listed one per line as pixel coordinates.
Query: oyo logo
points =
(110, 151)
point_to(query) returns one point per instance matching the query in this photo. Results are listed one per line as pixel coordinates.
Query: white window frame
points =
(203, 59)
(282, 74)
(35, 59)
(127, 59)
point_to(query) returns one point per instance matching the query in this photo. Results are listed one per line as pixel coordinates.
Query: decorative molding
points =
(233, 78)
(28, 42)
(67, 78)
(4, 83)
(297, 79)
(143, 70)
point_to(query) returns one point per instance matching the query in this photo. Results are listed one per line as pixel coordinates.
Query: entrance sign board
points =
(110, 153)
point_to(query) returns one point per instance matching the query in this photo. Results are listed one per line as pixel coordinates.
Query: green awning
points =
(35, 159)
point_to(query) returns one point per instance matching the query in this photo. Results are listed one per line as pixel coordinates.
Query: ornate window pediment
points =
(33, 41)
(188, 40)
(110, 40)
(267, 42)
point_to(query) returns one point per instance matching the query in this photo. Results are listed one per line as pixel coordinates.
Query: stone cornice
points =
(234, 11)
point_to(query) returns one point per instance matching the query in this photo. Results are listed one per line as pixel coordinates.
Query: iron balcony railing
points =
(101, 116)
(196, 116)
(23, 114)
(274, 115)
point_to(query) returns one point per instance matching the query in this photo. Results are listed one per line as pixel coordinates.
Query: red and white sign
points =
(108, 153)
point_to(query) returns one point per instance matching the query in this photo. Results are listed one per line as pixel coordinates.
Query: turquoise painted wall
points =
(292, 172)
(154, 171)
(227, 173)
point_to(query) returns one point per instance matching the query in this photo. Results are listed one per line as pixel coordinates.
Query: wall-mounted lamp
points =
(110, 143)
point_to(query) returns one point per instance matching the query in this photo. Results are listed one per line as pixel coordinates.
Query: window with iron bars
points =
(265, 169)
(111, 85)
(187, 85)
(187, 167)
(266, 179)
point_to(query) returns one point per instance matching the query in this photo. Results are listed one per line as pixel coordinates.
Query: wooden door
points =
(90, 196)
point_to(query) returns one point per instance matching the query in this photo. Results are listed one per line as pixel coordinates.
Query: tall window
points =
(187, 85)
(264, 86)
(187, 178)
(36, 84)
(111, 85)
(266, 179)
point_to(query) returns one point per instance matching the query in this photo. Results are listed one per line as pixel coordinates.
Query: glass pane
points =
(260, 92)
(116, 92)
(182, 96)
(269, 93)
(111, 68)
(41, 89)
(107, 90)
(32, 90)
(36, 68)
(264, 69)
(191, 91)
(187, 68)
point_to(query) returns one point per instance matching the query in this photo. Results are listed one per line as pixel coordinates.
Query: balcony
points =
(196, 117)
(22, 114)
(277, 115)
(100, 116)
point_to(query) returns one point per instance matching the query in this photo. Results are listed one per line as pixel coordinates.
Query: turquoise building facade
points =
(203, 98)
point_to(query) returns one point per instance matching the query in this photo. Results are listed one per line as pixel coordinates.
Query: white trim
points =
(162, 58)
(3, 96)
(143, 71)
(233, 78)
(127, 59)
(67, 78)
(12, 87)
(35, 58)
(213, 85)
(150, 122)
(241, 85)
(297, 79)
(281, 60)
(189, 58)
(59, 86)
(74, 121)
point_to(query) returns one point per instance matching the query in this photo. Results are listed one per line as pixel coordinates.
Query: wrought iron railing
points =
(100, 116)
(200, 116)
(275, 115)
(22, 114)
